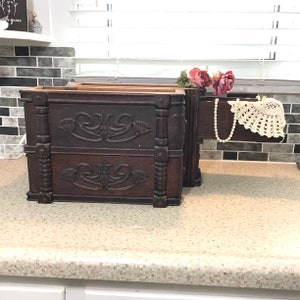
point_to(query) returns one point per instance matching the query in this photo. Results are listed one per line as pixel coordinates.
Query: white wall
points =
(61, 21)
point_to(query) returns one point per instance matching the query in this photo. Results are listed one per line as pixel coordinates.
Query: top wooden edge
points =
(109, 84)
(109, 89)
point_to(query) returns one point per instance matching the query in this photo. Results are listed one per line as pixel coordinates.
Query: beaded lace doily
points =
(265, 116)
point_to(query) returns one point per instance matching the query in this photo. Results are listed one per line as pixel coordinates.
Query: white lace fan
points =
(265, 116)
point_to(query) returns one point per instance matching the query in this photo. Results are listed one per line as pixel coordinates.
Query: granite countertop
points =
(247, 235)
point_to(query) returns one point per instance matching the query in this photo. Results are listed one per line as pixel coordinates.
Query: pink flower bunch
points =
(221, 83)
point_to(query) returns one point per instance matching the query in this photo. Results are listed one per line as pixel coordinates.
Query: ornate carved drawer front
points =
(104, 147)
(107, 126)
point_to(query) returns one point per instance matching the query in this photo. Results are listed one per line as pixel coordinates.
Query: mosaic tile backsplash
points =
(287, 151)
(22, 67)
(52, 66)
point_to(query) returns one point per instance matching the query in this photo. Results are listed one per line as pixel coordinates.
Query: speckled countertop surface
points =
(245, 236)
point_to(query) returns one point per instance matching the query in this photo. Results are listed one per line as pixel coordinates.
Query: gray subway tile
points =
(17, 112)
(288, 98)
(21, 122)
(211, 155)
(294, 128)
(209, 145)
(45, 62)
(12, 150)
(3, 139)
(45, 81)
(22, 130)
(9, 121)
(65, 62)
(60, 82)
(293, 138)
(18, 61)
(52, 51)
(287, 108)
(11, 91)
(239, 146)
(39, 72)
(7, 51)
(8, 101)
(7, 71)
(296, 108)
(13, 139)
(284, 157)
(278, 147)
(253, 156)
(68, 73)
(20, 103)
(292, 118)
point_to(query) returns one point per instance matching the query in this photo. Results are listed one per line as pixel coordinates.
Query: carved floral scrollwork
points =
(104, 127)
(104, 176)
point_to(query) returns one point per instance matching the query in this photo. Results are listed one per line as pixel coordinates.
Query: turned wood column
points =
(192, 173)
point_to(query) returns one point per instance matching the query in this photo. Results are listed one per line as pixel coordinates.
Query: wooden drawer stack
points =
(105, 144)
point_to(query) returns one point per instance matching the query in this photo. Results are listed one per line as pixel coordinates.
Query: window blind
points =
(190, 30)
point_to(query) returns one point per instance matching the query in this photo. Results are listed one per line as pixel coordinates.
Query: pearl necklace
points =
(216, 124)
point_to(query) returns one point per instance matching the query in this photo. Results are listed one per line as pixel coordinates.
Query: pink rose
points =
(223, 82)
(199, 77)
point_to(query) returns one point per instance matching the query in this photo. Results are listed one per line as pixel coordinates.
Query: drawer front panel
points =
(105, 175)
(102, 126)
(130, 127)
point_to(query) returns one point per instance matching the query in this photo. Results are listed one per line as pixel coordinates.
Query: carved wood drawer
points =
(124, 147)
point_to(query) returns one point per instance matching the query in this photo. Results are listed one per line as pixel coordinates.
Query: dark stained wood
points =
(200, 126)
(120, 143)
(225, 118)
(96, 145)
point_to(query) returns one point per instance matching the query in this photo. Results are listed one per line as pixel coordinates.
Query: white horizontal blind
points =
(190, 30)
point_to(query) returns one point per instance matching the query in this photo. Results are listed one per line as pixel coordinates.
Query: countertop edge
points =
(164, 268)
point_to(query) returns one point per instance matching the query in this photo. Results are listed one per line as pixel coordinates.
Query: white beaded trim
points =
(216, 124)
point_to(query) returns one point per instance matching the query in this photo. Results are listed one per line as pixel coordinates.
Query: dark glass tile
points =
(9, 130)
(297, 149)
(294, 129)
(22, 51)
(0, 121)
(14, 81)
(242, 95)
(296, 108)
(4, 111)
(230, 155)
